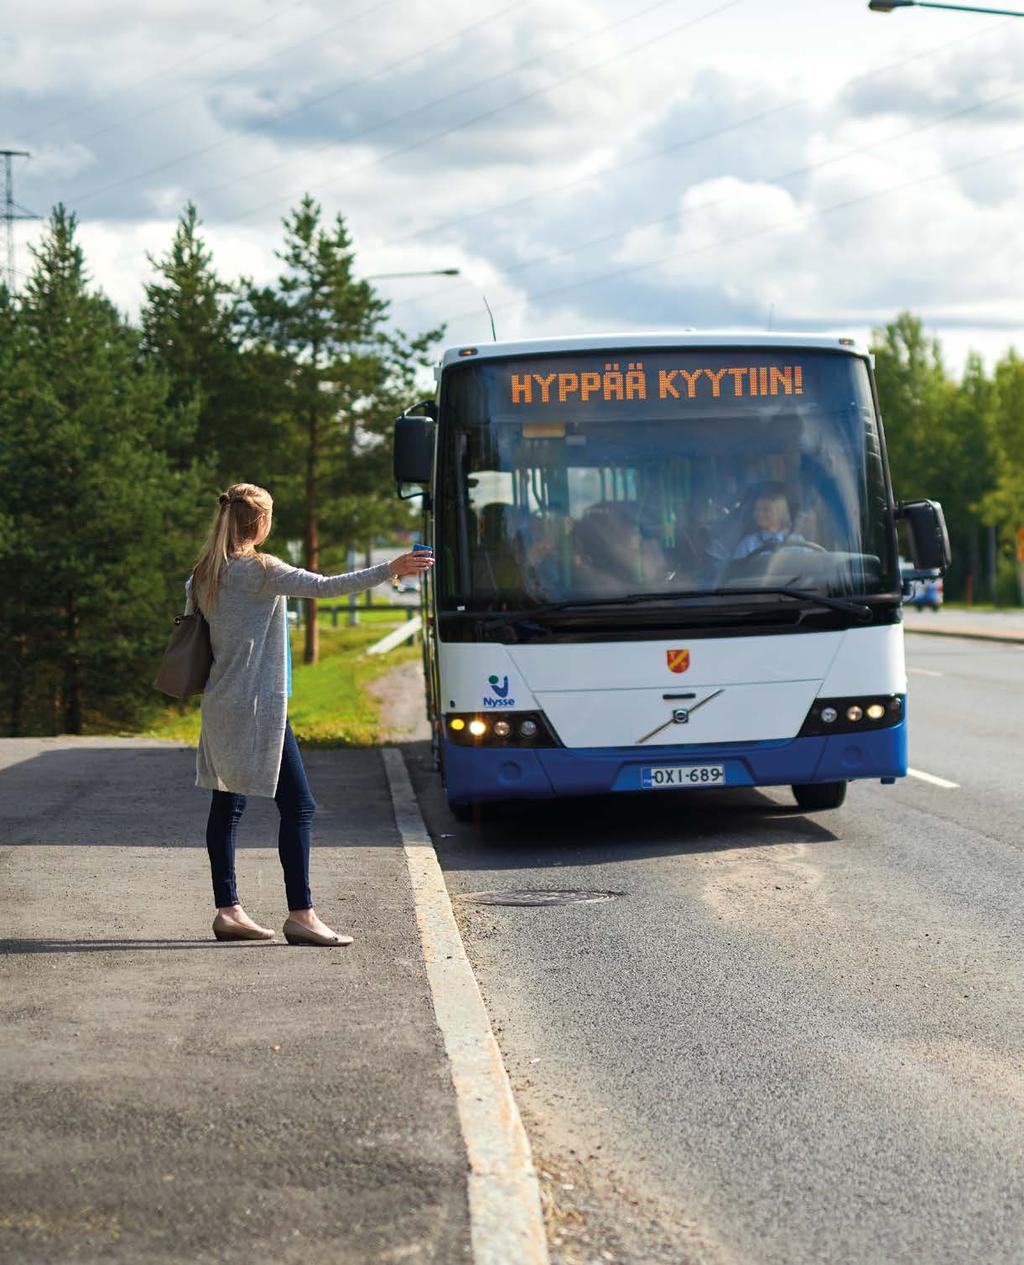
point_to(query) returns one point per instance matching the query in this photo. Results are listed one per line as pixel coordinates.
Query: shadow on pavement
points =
(45, 945)
(610, 828)
(60, 793)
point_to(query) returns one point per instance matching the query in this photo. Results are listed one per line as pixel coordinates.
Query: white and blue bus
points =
(662, 561)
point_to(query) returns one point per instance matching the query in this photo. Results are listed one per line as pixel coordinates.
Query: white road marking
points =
(925, 672)
(935, 781)
(506, 1221)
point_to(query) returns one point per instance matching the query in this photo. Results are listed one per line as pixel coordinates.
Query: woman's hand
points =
(410, 564)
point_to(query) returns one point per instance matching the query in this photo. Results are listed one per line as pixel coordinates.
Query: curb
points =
(969, 634)
(506, 1221)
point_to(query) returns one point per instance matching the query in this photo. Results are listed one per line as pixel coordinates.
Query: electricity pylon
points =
(12, 211)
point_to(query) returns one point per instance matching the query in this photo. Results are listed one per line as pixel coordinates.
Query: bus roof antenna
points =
(494, 332)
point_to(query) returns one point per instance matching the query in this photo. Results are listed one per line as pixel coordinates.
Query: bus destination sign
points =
(635, 382)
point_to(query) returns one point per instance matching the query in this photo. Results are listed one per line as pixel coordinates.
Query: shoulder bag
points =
(185, 667)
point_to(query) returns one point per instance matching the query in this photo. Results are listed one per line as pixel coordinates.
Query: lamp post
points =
(887, 6)
(392, 276)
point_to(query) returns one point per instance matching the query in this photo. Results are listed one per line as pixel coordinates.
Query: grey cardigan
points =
(245, 704)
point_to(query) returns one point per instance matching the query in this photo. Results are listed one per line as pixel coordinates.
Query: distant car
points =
(924, 593)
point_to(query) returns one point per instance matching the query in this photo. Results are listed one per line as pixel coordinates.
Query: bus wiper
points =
(846, 605)
(843, 604)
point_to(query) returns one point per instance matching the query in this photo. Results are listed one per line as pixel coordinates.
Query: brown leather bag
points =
(185, 667)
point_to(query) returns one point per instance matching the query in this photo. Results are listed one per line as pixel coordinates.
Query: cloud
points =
(581, 170)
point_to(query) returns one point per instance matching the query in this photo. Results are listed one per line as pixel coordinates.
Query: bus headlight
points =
(849, 715)
(513, 729)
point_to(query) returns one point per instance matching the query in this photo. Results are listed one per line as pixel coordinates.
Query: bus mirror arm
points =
(403, 494)
(927, 536)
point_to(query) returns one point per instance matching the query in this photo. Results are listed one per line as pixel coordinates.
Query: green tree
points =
(17, 385)
(345, 375)
(1003, 507)
(104, 517)
(937, 432)
(190, 330)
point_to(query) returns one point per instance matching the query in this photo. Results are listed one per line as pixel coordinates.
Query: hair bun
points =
(224, 498)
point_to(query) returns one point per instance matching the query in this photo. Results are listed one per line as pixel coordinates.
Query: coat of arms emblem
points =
(678, 660)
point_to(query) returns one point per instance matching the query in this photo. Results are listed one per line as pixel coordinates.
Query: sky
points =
(587, 165)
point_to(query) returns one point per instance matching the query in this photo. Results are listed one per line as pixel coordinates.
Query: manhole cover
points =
(540, 897)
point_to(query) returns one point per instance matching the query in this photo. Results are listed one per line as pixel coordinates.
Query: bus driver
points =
(773, 525)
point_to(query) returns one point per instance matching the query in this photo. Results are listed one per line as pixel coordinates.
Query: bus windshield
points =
(589, 477)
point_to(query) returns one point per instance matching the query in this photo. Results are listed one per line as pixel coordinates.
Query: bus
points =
(662, 562)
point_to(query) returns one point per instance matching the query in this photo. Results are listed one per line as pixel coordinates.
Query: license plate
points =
(664, 776)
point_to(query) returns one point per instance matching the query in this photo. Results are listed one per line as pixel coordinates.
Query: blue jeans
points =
(296, 805)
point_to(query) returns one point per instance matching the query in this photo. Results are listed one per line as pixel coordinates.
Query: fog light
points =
(502, 729)
(528, 729)
(477, 728)
(852, 713)
(876, 711)
(829, 715)
(457, 723)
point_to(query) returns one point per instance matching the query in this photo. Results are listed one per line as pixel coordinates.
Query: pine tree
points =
(104, 518)
(345, 375)
(189, 330)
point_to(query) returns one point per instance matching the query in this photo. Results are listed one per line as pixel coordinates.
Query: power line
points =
(748, 236)
(486, 114)
(160, 74)
(12, 212)
(620, 165)
(458, 92)
(277, 53)
(305, 105)
(778, 178)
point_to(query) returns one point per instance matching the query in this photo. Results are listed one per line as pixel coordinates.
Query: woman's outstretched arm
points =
(286, 581)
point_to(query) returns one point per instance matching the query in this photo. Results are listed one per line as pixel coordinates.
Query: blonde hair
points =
(242, 511)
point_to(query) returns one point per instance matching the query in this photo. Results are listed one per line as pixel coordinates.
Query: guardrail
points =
(404, 632)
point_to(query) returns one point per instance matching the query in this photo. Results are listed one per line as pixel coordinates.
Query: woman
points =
(246, 746)
(773, 524)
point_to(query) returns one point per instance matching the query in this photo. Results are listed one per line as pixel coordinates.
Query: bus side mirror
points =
(927, 534)
(414, 451)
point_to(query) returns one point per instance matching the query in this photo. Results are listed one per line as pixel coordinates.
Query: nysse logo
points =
(500, 693)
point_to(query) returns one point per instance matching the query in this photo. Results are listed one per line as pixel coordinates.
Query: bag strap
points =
(192, 596)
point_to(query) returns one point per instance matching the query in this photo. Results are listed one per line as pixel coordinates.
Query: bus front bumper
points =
(479, 774)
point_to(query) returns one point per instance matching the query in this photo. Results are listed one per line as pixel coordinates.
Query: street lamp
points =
(391, 276)
(887, 6)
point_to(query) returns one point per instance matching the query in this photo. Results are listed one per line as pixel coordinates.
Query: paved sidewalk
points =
(167, 1099)
(1006, 626)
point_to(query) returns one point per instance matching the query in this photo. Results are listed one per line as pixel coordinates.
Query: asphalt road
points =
(787, 1038)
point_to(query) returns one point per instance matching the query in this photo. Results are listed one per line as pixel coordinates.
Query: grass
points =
(330, 704)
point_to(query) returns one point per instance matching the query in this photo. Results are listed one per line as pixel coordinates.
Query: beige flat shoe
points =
(225, 928)
(296, 933)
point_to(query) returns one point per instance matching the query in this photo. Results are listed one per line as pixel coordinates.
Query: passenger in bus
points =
(610, 554)
(544, 550)
(496, 563)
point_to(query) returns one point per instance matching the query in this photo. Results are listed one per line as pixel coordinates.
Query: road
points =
(784, 1038)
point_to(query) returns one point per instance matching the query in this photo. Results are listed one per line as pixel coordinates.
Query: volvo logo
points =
(680, 715)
